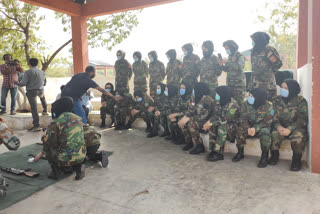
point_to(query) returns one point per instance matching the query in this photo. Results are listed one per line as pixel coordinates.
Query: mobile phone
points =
(219, 55)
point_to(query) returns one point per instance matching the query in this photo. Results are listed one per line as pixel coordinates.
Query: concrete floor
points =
(155, 176)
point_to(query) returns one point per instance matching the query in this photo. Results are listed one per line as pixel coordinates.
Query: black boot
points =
(264, 159)
(198, 149)
(188, 146)
(103, 158)
(165, 133)
(215, 157)
(149, 127)
(103, 123)
(111, 124)
(239, 155)
(152, 134)
(56, 173)
(119, 126)
(171, 136)
(180, 140)
(210, 155)
(296, 162)
(128, 126)
(273, 160)
(80, 170)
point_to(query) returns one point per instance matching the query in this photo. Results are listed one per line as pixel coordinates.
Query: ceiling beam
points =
(104, 7)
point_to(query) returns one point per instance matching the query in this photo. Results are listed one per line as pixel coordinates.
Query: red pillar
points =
(315, 152)
(79, 44)
(302, 38)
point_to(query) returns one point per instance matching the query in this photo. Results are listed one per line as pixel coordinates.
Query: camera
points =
(11, 63)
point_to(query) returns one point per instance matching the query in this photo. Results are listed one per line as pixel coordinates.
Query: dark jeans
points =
(4, 94)
(32, 98)
(86, 110)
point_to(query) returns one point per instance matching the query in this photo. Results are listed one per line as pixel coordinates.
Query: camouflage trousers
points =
(92, 152)
(264, 135)
(298, 139)
(143, 88)
(144, 115)
(107, 110)
(121, 114)
(122, 85)
(191, 132)
(218, 135)
(238, 93)
(153, 89)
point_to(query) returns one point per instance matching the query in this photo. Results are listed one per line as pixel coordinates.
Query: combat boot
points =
(80, 170)
(111, 124)
(149, 127)
(239, 155)
(296, 162)
(216, 157)
(188, 146)
(128, 126)
(152, 134)
(210, 155)
(273, 160)
(171, 136)
(165, 133)
(264, 158)
(56, 173)
(103, 123)
(103, 158)
(198, 149)
(180, 140)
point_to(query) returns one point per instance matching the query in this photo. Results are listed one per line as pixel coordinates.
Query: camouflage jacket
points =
(91, 136)
(234, 68)
(293, 115)
(256, 118)
(160, 102)
(183, 106)
(210, 71)
(174, 73)
(171, 105)
(264, 65)
(157, 72)
(110, 101)
(64, 142)
(141, 73)
(144, 104)
(127, 101)
(7, 137)
(229, 113)
(190, 69)
(123, 72)
(202, 110)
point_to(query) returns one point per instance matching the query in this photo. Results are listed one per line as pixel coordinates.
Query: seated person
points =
(122, 108)
(107, 106)
(290, 122)
(64, 144)
(193, 121)
(141, 109)
(223, 124)
(255, 120)
(86, 102)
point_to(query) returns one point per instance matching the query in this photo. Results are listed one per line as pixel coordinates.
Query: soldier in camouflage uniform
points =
(210, 69)
(193, 121)
(174, 69)
(157, 72)
(123, 72)
(223, 124)
(141, 109)
(141, 73)
(255, 120)
(122, 108)
(265, 62)
(234, 67)
(290, 122)
(107, 106)
(190, 65)
(63, 143)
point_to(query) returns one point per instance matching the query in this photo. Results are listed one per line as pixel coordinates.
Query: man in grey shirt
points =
(33, 79)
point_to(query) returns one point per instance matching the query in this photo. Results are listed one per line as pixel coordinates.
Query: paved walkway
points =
(155, 176)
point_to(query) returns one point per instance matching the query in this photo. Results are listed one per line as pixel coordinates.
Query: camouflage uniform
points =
(123, 74)
(260, 119)
(122, 108)
(224, 125)
(174, 73)
(141, 72)
(293, 116)
(92, 141)
(157, 75)
(190, 69)
(201, 113)
(64, 143)
(264, 65)
(109, 109)
(160, 104)
(209, 72)
(235, 76)
(143, 108)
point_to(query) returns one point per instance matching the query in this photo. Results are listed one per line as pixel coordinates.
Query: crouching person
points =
(290, 122)
(63, 142)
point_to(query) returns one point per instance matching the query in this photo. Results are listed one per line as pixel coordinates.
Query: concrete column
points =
(315, 150)
(302, 37)
(79, 44)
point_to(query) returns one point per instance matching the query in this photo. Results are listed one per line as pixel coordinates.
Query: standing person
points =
(107, 106)
(290, 122)
(141, 73)
(234, 67)
(10, 80)
(210, 69)
(33, 79)
(265, 62)
(157, 72)
(78, 85)
(22, 107)
(174, 69)
(123, 72)
(190, 65)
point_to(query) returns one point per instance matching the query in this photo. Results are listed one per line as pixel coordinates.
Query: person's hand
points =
(134, 112)
(285, 132)
(117, 98)
(16, 82)
(252, 132)
(104, 104)
(150, 109)
(88, 93)
(157, 113)
(280, 129)
(222, 61)
(183, 122)
(172, 115)
(207, 125)
(174, 119)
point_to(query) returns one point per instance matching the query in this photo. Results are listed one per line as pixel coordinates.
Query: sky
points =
(172, 25)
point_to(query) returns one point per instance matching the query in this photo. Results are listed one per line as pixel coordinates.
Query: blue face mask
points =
(108, 90)
(182, 91)
(166, 93)
(251, 100)
(119, 57)
(117, 95)
(158, 91)
(217, 97)
(185, 53)
(253, 43)
(139, 99)
(151, 59)
(284, 92)
(136, 59)
(228, 52)
(193, 94)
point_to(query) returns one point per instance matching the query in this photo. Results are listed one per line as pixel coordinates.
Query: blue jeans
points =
(4, 94)
(78, 110)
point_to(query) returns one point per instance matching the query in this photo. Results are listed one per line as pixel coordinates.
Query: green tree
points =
(282, 19)
(19, 23)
